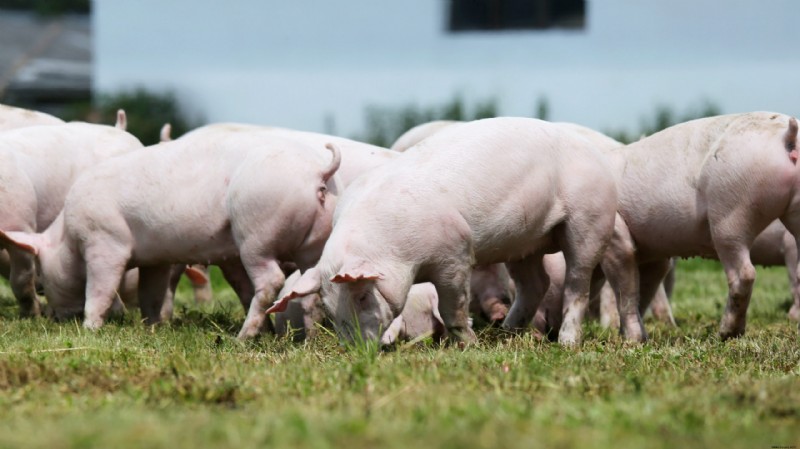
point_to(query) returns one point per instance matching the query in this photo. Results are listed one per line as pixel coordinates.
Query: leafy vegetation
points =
(192, 384)
(386, 124)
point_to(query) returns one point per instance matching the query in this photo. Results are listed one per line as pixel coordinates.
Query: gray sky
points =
(291, 63)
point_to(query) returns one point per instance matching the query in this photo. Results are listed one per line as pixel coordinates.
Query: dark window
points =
(494, 15)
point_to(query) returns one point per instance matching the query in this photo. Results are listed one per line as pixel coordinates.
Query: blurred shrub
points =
(386, 124)
(48, 7)
(664, 117)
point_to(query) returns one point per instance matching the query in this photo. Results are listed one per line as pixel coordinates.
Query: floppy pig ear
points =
(25, 241)
(196, 275)
(308, 284)
(356, 270)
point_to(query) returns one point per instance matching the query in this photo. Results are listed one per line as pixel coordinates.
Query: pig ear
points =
(25, 241)
(309, 283)
(196, 275)
(356, 270)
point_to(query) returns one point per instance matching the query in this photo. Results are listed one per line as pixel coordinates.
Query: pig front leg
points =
(452, 286)
(154, 293)
(531, 282)
(622, 271)
(267, 278)
(105, 267)
(22, 278)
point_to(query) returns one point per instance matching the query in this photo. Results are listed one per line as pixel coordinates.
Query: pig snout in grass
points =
(420, 317)
(239, 201)
(438, 211)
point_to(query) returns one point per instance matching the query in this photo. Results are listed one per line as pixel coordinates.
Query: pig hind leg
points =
(154, 283)
(651, 282)
(622, 271)
(22, 278)
(531, 282)
(236, 276)
(267, 279)
(790, 260)
(733, 248)
(583, 246)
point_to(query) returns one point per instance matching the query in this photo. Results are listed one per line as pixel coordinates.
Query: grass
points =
(192, 384)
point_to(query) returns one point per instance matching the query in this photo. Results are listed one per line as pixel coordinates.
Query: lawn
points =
(192, 384)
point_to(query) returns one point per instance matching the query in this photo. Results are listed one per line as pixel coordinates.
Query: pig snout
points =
(495, 308)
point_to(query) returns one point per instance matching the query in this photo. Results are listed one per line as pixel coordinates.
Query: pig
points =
(491, 292)
(706, 187)
(197, 274)
(420, 132)
(39, 164)
(239, 201)
(11, 118)
(490, 297)
(488, 191)
(356, 158)
(420, 316)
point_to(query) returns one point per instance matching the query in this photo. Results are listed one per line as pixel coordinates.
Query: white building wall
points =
(291, 63)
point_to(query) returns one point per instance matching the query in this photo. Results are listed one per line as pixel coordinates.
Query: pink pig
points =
(39, 165)
(237, 200)
(489, 191)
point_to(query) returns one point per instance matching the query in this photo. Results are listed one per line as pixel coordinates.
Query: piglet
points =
(238, 200)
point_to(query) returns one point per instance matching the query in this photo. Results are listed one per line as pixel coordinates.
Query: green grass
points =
(192, 384)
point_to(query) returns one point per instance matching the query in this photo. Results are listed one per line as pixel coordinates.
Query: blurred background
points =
(370, 69)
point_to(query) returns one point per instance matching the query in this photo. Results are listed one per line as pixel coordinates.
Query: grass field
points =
(192, 384)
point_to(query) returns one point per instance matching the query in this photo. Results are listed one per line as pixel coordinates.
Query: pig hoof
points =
(794, 313)
(727, 334)
(92, 324)
(569, 338)
(30, 311)
(464, 335)
(247, 333)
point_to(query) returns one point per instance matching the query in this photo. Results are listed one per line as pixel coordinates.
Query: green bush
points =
(386, 124)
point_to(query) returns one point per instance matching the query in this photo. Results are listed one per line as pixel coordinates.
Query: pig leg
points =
(531, 282)
(622, 271)
(236, 276)
(105, 267)
(153, 290)
(669, 280)
(5, 264)
(267, 280)
(741, 275)
(790, 257)
(583, 247)
(609, 312)
(651, 277)
(23, 282)
(662, 310)
(452, 285)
